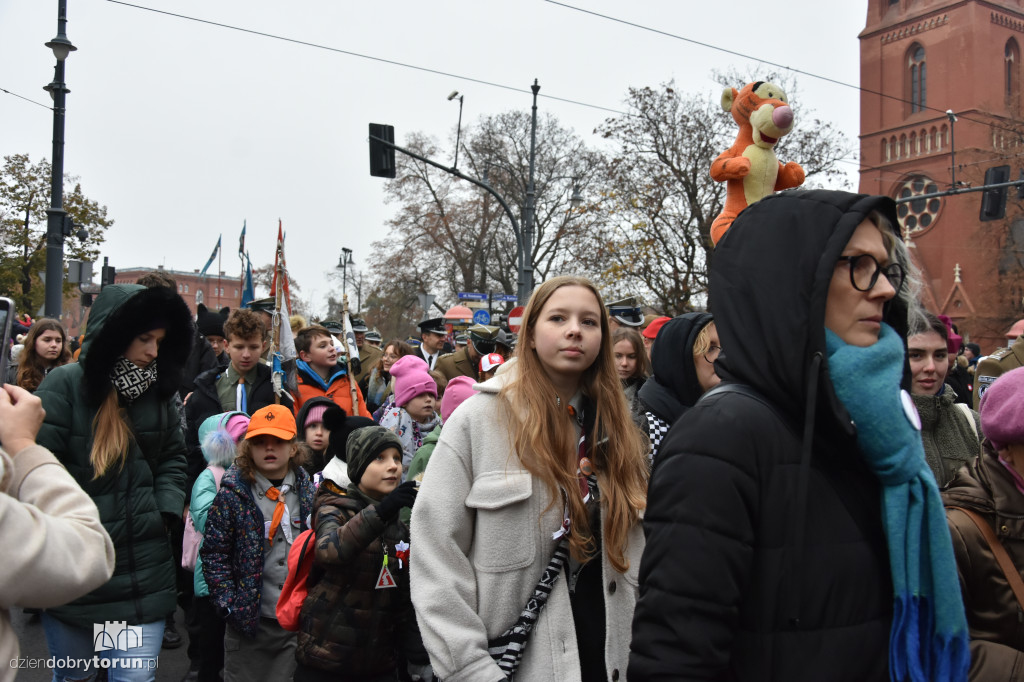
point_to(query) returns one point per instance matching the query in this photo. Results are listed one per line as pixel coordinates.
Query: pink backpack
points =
(192, 538)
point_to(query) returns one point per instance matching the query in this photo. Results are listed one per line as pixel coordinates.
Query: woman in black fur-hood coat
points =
(136, 486)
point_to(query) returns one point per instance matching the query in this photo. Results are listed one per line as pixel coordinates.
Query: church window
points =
(918, 79)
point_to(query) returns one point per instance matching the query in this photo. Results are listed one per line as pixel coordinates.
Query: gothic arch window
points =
(945, 135)
(1011, 78)
(936, 141)
(886, 151)
(913, 144)
(895, 148)
(918, 80)
(922, 139)
(904, 148)
(199, 296)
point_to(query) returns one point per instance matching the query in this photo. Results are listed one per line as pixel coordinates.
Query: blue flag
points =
(248, 291)
(213, 255)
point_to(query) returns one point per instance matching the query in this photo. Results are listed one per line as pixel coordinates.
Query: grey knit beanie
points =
(363, 447)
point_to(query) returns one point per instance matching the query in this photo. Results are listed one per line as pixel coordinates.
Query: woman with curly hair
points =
(542, 472)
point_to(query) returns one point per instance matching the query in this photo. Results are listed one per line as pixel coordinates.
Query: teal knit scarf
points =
(928, 640)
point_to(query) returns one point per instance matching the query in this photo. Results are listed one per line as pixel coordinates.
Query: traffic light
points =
(107, 275)
(382, 157)
(993, 201)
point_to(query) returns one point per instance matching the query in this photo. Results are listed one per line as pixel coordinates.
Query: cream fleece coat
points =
(55, 548)
(481, 539)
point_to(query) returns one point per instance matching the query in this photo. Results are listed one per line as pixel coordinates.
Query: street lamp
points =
(458, 131)
(952, 145)
(343, 263)
(55, 222)
(526, 264)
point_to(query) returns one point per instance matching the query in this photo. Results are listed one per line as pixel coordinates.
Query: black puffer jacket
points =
(747, 575)
(131, 499)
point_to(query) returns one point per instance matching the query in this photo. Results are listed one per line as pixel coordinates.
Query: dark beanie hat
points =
(340, 426)
(209, 322)
(363, 447)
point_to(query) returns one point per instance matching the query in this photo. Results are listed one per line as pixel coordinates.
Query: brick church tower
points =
(920, 59)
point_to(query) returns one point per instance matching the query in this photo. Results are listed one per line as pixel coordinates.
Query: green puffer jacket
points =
(151, 482)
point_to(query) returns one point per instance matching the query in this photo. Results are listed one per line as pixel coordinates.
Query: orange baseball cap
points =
(274, 420)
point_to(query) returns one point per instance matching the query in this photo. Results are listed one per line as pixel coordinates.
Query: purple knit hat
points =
(412, 378)
(1002, 410)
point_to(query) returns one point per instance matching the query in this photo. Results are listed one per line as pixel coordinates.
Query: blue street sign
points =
(482, 317)
(471, 296)
(505, 297)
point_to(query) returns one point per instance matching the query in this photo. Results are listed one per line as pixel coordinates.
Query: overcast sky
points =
(185, 129)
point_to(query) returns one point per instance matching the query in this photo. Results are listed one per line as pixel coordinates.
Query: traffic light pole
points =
(524, 287)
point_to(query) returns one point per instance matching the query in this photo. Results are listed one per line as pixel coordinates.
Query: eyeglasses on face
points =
(712, 353)
(864, 271)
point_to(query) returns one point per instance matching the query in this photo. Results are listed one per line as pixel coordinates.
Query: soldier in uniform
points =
(625, 313)
(374, 338)
(369, 355)
(464, 362)
(432, 337)
(990, 368)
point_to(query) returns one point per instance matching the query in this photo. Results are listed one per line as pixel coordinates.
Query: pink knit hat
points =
(412, 378)
(1002, 410)
(455, 393)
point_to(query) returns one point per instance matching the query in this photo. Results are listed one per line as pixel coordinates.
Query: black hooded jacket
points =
(761, 564)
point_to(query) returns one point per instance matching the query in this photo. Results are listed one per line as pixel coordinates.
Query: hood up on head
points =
(674, 386)
(769, 281)
(120, 313)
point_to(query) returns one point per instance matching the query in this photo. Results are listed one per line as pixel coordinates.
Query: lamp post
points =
(952, 145)
(343, 263)
(526, 263)
(458, 131)
(61, 47)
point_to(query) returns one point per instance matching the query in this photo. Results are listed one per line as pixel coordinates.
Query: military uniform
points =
(457, 364)
(990, 368)
(369, 356)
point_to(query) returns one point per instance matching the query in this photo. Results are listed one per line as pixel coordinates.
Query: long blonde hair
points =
(545, 436)
(111, 436)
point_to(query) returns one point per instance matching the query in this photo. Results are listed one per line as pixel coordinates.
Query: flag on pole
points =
(248, 291)
(350, 338)
(281, 269)
(213, 255)
(241, 242)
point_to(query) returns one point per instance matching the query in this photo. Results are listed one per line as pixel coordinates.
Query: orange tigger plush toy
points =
(749, 167)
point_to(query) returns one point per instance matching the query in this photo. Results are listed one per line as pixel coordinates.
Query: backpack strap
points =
(1002, 558)
(742, 389)
(218, 473)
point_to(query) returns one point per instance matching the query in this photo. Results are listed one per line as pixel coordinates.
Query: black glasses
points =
(864, 271)
(712, 353)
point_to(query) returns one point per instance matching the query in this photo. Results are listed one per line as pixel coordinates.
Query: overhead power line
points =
(350, 53)
(32, 101)
(743, 55)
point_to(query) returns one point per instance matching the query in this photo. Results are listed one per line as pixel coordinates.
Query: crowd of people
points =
(758, 492)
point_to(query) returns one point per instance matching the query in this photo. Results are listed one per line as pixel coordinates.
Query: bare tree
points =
(660, 200)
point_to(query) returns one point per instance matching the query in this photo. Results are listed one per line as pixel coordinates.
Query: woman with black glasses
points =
(794, 529)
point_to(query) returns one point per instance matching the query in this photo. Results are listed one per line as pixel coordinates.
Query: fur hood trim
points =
(120, 313)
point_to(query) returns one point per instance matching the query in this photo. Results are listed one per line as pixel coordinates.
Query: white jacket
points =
(55, 548)
(481, 539)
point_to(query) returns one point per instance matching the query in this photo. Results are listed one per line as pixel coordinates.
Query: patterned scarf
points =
(928, 639)
(130, 380)
(408, 430)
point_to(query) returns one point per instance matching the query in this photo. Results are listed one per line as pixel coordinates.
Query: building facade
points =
(919, 60)
(212, 291)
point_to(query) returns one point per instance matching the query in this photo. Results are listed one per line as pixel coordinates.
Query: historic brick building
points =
(213, 292)
(920, 58)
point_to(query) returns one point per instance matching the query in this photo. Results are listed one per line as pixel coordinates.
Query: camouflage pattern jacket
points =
(347, 625)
